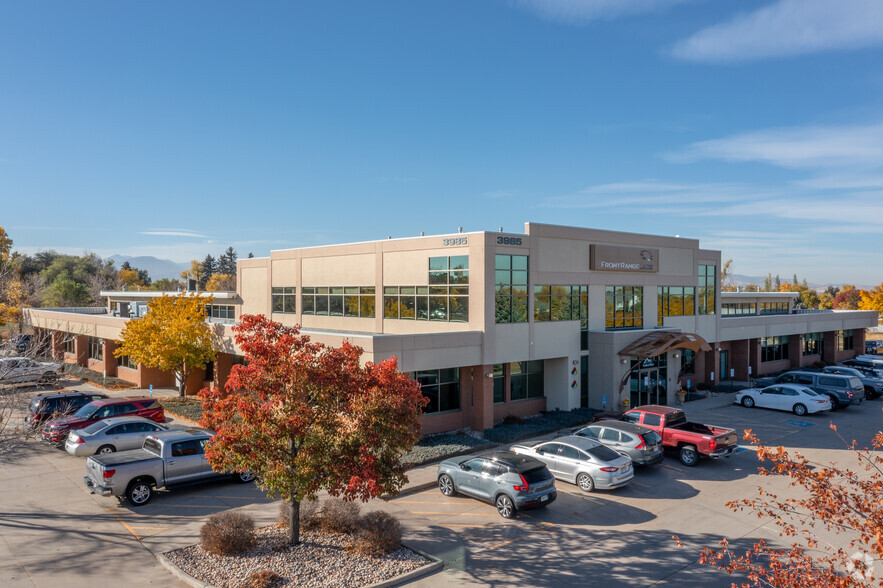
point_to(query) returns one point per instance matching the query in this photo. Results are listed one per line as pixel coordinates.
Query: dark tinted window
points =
(789, 392)
(590, 432)
(602, 453)
(184, 448)
(631, 417)
(117, 430)
(832, 382)
(652, 438)
(537, 475)
(805, 380)
(493, 469)
(153, 446)
(124, 408)
(652, 420)
(610, 435)
(475, 465)
(549, 448)
(150, 404)
(95, 427)
(675, 418)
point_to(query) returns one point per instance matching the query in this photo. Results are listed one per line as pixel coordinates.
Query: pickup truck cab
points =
(166, 460)
(692, 440)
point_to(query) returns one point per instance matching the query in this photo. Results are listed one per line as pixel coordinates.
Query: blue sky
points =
(176, 129)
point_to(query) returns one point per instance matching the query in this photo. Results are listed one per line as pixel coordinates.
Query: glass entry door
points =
(648, 381)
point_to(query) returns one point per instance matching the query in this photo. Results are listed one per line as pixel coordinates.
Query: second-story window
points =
(624, 307)
(284, 300)
(707, 285)
(510, 288)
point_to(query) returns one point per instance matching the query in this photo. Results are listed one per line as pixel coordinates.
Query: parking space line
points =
(455, 514)
(124, 524)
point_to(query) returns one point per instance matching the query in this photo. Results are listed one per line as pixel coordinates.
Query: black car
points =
(52, 404)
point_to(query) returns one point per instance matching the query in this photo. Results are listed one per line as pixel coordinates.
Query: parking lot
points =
(52, 530)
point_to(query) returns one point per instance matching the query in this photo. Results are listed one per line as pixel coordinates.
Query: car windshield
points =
(651, 438)
(809, 391)
(86, 412)
(95, 427)
(602, 453)
(537, 475)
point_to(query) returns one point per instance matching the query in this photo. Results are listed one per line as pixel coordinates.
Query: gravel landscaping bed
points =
(320, 560)
(433, 448)
(188, 407)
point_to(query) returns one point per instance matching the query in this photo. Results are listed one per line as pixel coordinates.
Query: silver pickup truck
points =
(166, 460)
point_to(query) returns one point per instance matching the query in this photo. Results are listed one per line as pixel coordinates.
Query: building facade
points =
(495, 324)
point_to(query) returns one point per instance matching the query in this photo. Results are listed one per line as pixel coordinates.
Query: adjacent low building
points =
(494, 324)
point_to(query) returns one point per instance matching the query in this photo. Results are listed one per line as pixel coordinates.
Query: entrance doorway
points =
(725, 369)
(648, 382)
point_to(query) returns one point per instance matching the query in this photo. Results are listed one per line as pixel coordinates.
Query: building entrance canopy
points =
(658, 342)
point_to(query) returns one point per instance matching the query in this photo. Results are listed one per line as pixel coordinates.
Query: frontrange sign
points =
(613, 258)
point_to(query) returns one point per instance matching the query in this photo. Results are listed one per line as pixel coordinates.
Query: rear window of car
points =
(537, 475)
(602, 453)
(651, 438)
(832, 382)
(652, 420)
(810, 392)
(149, 404)
(95, 427)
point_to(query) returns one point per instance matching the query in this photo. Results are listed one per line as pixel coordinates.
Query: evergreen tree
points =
(208, 268)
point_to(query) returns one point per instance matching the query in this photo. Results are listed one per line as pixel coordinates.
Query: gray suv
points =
(843, 390)
(642, 445)
(510, 481)
(873, 383)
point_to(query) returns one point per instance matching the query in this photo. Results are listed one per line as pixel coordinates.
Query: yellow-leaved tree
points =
(221, 283)
(873, 300)
(173, 336)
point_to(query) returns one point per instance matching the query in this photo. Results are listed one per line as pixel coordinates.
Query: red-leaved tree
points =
(847, 503)
(305, 417)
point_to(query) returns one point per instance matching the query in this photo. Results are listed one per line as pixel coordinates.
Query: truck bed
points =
(123, 457)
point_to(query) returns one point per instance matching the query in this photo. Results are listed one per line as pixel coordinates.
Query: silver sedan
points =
(583, 462)
(109, 435)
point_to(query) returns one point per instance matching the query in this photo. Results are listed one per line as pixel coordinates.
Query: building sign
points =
(613, 258)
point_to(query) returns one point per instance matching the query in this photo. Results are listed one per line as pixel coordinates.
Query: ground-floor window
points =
(812, 344)
(845, 340)
(526, 379)
(124, 361)
(773, 348)
(96, 348)
(442, 387)
(688, 362)
(69, 345)
(499, 384)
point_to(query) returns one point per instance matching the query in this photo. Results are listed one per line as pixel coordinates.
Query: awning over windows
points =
(658, 342)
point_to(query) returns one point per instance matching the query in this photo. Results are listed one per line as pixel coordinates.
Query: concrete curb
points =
(179, 573)
(410, 490)
(420, 572)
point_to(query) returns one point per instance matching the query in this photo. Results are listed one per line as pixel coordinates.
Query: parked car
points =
(640, 444)
(691, 440)
(798, 399)
(166, 460)
(842, 390)
(865, 362)
(20, 342)
(110, 435)
(57, 404)
(56, 430)
(872, 382)
(582, 461)
(510, 481)
(19, 370)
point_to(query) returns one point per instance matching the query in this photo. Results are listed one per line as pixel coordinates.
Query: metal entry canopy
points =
(658, 342)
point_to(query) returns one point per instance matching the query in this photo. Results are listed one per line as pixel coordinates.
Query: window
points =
(446, 298)
(812, 344)
(738, 308)
(96, 348)
(499, 383)
(510, 288)
(610, 435)
(652, 420)
(707, 285)
(590, 432)
(354, 301)
(284, 300)
(624, 307)
(227, 312)
(69, 346)
(183, 448)
(675, 301)
(124, 361)
(560, 303)
(773, 348)
(526, 379)
(688, 358)
(773, 308)
(845, 340)
(442, 387)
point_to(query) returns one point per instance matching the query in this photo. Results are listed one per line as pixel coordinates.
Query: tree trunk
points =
(294, 523)
(183, 384)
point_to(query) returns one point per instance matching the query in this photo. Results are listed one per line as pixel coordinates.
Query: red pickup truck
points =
(690, 439)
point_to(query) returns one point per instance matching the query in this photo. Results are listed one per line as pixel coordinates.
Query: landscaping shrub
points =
(262, 579)
(544, 423)
(339, 516)
(511, 419)
(308, 511)
(379, 533)
(228, 533)
(434, 447)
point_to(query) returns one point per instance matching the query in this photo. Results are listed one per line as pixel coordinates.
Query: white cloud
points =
(857, 146)
(655, 196)
(787, 28)
(584, 11)
(174, 233)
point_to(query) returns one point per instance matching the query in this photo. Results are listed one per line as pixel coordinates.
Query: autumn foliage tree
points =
(173, 336)
(873, 300)
(844, 502)
(847, 298)
(306, 417)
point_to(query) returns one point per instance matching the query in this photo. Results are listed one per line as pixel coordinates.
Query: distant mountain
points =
(740, 280)
(157, 268)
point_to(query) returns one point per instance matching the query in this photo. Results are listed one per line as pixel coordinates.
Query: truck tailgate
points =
(727, 438)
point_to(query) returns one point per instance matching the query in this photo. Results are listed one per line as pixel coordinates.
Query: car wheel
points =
(585, 482)
(245, 477)
(446, 485)
(748, 402)
(799, 409)
(505, 507)
(139, 493)
(834, 404)
(105, 449)
(688, 455)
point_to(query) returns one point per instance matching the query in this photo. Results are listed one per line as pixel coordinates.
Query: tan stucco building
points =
(495, 324)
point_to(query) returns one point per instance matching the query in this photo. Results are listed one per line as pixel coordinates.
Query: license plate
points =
(544, 498)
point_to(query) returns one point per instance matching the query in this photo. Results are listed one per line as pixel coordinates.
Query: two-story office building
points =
(494, 323)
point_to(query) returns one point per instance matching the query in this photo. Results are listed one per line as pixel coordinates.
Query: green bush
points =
(228, 533)
(379, 533)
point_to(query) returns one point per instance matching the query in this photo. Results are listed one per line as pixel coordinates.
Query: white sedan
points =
(792, 397)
